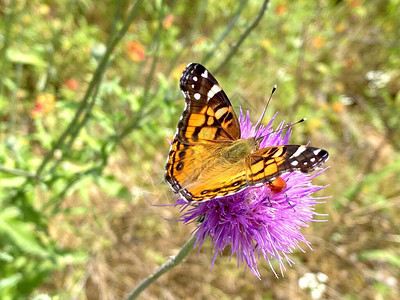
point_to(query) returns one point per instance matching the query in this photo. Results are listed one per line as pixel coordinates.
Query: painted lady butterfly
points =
(208, 159)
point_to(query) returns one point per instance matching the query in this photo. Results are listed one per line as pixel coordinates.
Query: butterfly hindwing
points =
(195, 172)
(226, 180)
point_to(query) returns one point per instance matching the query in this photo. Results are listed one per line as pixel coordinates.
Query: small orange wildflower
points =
(354, 3)
(136, 51)
(168, 20)
(44, 104)
(281, 9)
(317, 42)
(340, 27)
(71, 84)
(200, 42)
(338, 107)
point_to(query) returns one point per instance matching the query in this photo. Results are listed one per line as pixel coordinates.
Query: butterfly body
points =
(208, 158)
(238, 150)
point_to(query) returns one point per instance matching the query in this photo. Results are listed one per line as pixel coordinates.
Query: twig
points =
(299, 73)
(245, 34)
(133, 123)
(172, 262)
(95, 81)
(197, 22)
(17, 172)
(228, 29)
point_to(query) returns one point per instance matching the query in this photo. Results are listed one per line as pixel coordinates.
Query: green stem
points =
(172, 262)
(225, 33)
(199, 13)
(93, 84)
(17, 172)
(245, 34)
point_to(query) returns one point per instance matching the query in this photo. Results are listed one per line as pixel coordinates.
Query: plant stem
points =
(200, 13)
(92, 86)
(244, 35)
(17, 172)
(225, 33)
(172, 262)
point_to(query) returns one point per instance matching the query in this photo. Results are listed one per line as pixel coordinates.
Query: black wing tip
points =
(324, 155)
(306, 159)
(192, 68)
(194, 65)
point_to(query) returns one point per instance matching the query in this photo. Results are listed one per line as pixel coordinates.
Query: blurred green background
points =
(89, 94)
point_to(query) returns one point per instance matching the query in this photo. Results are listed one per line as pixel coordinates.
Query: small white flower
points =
(377, 79)
(297, 42)
(322, 277)
(282, 75)
(315, 283)
(318, 291)
(346, 100)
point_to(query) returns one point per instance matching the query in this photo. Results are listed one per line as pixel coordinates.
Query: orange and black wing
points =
(266, 164)
(208, 114)
(207, 125)
(198, 174)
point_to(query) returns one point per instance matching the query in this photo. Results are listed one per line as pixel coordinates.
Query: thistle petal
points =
(257, 222)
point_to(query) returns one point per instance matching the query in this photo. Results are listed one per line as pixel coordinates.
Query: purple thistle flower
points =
(256, 221)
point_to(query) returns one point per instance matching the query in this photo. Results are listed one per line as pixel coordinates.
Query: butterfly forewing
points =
(207, 124)
(268, 163)
(208, 114)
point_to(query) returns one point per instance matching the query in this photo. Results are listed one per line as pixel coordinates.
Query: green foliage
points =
(89, 95)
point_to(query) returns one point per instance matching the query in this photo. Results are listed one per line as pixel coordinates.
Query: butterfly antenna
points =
(265, 108)
(290, 125)
(283, 128)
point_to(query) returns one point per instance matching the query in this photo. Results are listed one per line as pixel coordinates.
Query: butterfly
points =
(208, 159)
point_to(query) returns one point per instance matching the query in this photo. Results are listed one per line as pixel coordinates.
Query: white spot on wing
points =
(294, 163)
(316, 152)
(298, 151)
(192, 86)
(312, 159)
(195, 78)
(197, 96)
(215, 89)
(204, 74)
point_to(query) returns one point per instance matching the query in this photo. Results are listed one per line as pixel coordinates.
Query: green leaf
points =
(381, 255)
(16, 56)
(22, 234)
(4, 256)
(10, 281)
(111, 186)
